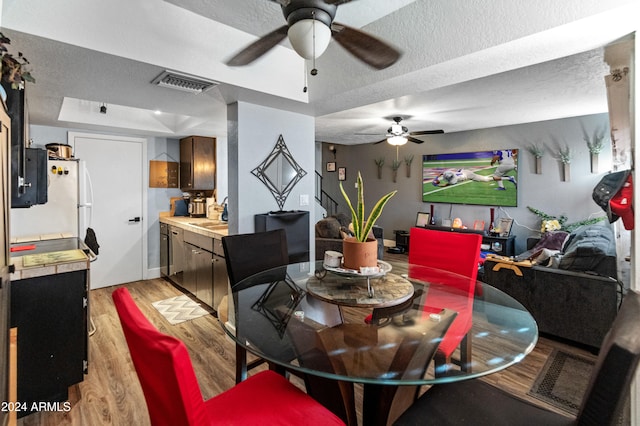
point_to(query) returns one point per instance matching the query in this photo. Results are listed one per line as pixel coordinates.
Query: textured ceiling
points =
(465, 64)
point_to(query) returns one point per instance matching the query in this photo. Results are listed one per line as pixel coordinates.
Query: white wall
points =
(252, 134)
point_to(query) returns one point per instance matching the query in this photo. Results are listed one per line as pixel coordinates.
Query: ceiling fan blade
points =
(368, 49)
(337, 2)
(414, 140)
(427, 132)
(259, 47)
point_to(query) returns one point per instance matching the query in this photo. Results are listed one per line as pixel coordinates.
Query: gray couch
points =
(330, 231)
(578, 297)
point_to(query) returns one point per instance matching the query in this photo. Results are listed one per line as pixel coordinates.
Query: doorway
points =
(112, 202)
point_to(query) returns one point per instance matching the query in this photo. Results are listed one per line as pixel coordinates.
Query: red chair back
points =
(163, 366)
(450, 252)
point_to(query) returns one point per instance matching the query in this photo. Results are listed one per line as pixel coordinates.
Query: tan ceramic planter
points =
(356, 254)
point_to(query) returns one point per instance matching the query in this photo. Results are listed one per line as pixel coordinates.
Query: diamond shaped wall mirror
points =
(279, 172)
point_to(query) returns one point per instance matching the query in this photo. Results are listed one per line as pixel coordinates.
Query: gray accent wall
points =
(546, 192)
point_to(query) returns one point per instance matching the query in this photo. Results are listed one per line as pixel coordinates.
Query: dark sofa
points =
(578, 297)
(331, 230)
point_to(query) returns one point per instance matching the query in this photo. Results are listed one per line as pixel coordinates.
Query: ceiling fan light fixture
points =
(302, 38)
(396, 129)
(397, 140)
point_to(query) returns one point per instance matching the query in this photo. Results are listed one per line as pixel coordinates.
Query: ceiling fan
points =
(310, 27)
(398, 134)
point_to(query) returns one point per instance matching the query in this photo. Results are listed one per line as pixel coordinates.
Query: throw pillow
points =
(552, 240)
(343, 219)
(329, 227)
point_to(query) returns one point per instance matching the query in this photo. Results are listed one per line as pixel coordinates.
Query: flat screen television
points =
(487, 178)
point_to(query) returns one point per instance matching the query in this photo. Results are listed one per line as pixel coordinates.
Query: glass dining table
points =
(310, 320)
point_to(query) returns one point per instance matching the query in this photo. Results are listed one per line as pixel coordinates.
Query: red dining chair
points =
(173, 395)
(450, 252)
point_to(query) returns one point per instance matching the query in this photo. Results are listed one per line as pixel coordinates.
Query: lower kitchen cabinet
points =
(50, 313)
(198, 273)
(195, 263)
(220, 276)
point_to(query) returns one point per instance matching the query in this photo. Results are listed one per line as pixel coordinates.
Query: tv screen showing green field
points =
(488, 178)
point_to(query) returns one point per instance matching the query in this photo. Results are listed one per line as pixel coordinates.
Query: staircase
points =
(325, 200)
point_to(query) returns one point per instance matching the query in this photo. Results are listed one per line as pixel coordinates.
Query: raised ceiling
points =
(466, 65)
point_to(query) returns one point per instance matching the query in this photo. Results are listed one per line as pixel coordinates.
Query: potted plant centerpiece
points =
(361, 250)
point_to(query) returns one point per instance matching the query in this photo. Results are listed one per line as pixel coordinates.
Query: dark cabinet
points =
(197, 163)
(50, 313)
(198, 271)
(28, 165)
(34, 186)
(296, 225)
(503, 246)
(220, 276)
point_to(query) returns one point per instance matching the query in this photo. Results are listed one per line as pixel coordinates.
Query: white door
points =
(113, 200)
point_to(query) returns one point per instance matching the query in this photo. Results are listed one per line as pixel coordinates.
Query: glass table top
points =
(276, 318)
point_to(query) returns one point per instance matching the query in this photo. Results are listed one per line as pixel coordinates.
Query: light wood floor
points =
(111, 394)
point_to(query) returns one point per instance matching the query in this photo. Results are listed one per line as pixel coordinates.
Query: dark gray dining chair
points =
(247, 255)
(478, 403)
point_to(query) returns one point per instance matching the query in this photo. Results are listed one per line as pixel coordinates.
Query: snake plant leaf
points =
(361, 228)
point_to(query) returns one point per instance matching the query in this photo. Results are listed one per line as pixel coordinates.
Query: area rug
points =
(563, 381)
(179, 309)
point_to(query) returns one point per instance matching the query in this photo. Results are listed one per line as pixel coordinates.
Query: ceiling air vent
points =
(184, 82)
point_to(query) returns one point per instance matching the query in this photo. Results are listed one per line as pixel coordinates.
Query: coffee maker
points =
(197, 205)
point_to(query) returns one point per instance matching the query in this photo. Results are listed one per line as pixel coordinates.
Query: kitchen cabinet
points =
(205, 274)
(197, 163)
(198, 273)
(199, 258)
(220, 275)
(51, 315)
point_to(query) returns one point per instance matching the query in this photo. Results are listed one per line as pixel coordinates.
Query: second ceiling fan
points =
(398, 134)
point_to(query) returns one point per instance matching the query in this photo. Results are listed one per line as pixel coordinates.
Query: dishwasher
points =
(165, 249)
(176, 255)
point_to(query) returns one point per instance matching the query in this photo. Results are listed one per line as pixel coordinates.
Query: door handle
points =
(135, 219)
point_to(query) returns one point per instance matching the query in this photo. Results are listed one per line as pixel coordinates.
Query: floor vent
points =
(184, 82)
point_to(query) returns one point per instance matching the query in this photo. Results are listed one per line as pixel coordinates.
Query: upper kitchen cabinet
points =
(197, 163)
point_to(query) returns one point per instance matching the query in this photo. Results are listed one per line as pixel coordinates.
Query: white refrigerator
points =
(59, 217)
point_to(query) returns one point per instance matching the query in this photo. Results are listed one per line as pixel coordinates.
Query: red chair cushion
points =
(267, 398)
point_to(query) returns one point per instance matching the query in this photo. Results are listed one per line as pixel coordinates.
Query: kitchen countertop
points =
(200, 225)
(49, 256)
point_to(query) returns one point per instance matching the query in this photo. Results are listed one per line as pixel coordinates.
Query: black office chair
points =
(478, 403)
(247, 255)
